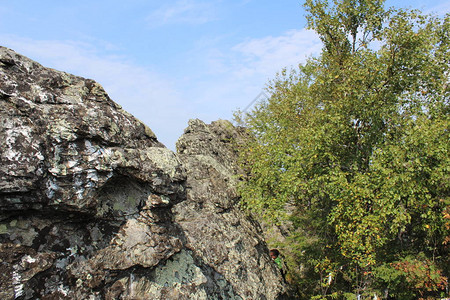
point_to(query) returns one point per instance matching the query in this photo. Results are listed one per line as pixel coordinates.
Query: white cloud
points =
(257, 57)
(143, 93)
(441, 9)
(183, 12)
(231, 78)
(269, 55)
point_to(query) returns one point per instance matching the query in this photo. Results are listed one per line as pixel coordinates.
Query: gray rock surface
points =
(216, 229)
(92, 206)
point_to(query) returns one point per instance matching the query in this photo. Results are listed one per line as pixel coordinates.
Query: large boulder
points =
(217, 230)
(92, 206)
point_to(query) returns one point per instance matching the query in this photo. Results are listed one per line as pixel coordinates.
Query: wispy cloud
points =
(144, 93)
(260, 56)
(441, 9)
(269, 55)
(184, 12)
(232, 77)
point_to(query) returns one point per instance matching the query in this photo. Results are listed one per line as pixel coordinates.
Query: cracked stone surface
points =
(93, 206)
(217, 230)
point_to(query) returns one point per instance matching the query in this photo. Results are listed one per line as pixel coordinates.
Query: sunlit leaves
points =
(353, 147)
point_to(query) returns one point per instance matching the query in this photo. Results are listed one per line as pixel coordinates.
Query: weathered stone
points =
(92, 206)
(21, 263)
(217, 230)
(63, 131)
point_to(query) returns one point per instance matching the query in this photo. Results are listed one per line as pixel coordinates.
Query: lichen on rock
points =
(93, 206)
(216, 229)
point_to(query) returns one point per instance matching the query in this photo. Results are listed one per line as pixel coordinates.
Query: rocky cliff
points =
(92, 206)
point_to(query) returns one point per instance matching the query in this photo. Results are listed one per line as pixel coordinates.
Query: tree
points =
(352, 150)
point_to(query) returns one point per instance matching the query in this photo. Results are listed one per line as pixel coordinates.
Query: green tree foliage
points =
(352, 150)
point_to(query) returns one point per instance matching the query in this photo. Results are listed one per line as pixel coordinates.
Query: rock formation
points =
(92, 206)
(216, 229)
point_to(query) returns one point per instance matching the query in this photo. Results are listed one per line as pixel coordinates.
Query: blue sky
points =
(169, 61)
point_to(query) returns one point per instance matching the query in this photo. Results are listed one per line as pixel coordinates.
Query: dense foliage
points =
(352, 152)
